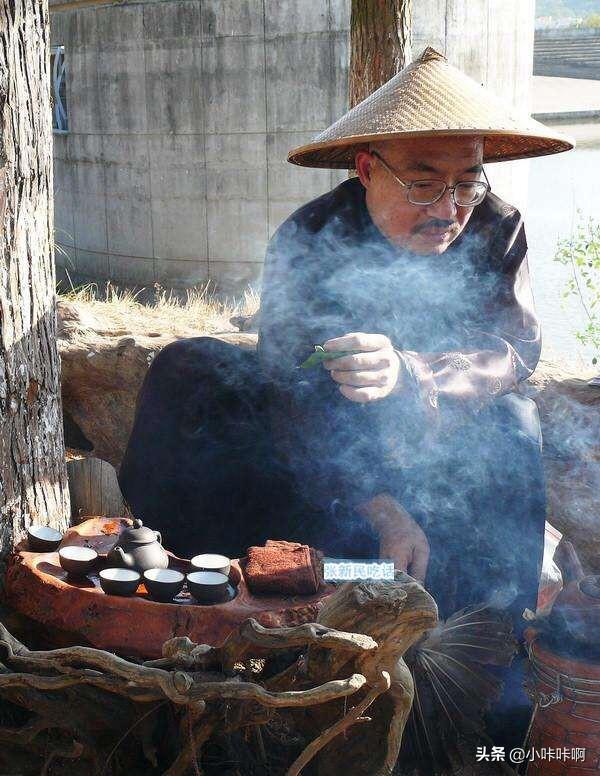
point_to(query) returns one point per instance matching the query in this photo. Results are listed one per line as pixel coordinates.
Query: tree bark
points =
(380, 44)
(33, 485)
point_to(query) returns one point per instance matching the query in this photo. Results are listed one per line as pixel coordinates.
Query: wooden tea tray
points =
(37, 587)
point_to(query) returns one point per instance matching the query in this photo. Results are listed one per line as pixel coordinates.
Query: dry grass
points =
(157, 311)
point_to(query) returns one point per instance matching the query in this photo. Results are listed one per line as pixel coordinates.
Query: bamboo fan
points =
(453, 690)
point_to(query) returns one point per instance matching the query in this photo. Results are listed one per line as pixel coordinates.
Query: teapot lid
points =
(139, 534)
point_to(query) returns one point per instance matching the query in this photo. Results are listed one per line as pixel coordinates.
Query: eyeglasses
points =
(428, 192)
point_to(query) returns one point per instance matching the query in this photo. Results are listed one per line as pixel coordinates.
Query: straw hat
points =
(431, 98)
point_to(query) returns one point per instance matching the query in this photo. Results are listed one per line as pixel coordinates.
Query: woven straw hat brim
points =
(431, 98)
(498, 146)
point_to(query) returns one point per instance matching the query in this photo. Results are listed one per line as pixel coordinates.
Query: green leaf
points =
(321, 355)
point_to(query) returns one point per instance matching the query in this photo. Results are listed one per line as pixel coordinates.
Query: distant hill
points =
(561, 8)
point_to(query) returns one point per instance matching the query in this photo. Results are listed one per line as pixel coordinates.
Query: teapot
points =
(573, 625)
(139, 548)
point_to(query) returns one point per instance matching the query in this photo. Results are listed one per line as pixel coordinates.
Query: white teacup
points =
(208, 587)
(76, 560)
(211, 562)
(42, 538)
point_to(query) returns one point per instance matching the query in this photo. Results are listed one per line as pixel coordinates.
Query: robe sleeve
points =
(498, 351)
(322, 439)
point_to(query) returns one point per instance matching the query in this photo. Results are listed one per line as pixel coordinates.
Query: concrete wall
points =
(181, 113)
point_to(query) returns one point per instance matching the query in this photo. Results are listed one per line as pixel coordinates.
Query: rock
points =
(246, 322)
(72, 318)
(105, 353)
(570, 415)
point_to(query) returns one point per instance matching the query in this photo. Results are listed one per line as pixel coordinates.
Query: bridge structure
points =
(567, 53)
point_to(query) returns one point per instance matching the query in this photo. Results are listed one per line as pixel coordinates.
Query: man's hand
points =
(408, 548)
(401, 539)
(369, 375)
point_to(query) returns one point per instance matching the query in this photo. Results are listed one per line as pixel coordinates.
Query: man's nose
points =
(444, 208)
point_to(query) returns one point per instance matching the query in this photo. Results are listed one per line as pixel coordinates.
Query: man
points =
(434, 298)
(416, 446)
(418, 442)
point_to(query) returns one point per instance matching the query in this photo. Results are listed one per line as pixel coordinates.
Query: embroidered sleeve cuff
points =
(416, 377)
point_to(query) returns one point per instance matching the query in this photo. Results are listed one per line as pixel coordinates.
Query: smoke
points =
(572, 454)
(231, 449)
(472, 478)
(469, 471)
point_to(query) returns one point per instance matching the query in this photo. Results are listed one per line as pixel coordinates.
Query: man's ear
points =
(362, 163)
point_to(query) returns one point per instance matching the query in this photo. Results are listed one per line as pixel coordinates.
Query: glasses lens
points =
(425, 192)
(468, 194)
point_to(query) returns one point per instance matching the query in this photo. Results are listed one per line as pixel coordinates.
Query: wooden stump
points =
(395, 614)
(80, 612)
(94, 489)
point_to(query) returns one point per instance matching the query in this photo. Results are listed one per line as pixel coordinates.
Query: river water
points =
(559, 186)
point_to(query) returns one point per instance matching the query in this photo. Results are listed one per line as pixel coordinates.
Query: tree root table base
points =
(95, 708)
(38, 587)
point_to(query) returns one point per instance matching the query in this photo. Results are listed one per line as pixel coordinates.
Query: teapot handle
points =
(158, 536)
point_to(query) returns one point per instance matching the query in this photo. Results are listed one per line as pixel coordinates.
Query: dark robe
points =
(229, 449)
(459, 447)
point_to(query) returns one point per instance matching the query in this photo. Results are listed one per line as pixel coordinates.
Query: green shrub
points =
(581, 253)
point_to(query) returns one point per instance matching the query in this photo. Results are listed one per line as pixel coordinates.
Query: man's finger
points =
(358, 341)
(401, 558)
(361, 379)
(419, 563)
(375, 359)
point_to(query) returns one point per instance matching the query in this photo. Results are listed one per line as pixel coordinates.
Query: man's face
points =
(422, 229)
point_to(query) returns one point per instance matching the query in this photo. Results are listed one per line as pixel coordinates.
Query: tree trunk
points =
(380, 35)
(33, 485)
